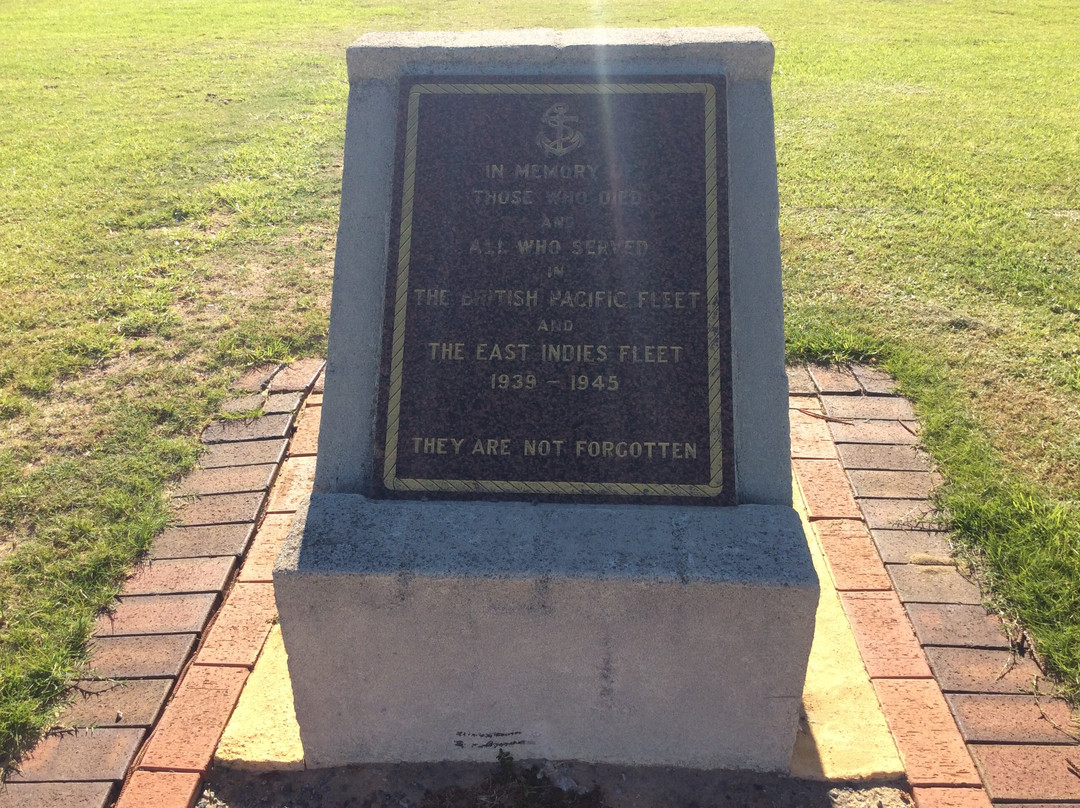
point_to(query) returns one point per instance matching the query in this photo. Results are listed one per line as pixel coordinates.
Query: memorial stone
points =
(556, 340)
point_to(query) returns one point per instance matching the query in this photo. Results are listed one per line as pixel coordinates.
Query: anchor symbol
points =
(566, 138)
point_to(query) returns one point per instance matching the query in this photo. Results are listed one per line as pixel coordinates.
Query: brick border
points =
(168, 662)
(963, 705)
(958, 701)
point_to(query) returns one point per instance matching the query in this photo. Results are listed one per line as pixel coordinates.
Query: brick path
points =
(958, 702)
(962, 707)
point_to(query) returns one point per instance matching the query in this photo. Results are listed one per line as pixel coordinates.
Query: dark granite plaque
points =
(557, 320)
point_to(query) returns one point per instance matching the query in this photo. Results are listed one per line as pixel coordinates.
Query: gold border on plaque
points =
(401, 299)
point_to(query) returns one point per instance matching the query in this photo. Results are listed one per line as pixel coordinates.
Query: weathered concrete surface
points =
(648, 635)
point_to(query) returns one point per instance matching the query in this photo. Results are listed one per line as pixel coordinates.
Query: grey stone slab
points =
(203, 541)
(261, 428)
(665, 634)
(932, 583)
(744, 56)
(749, 544)
(243, 453)
(746, 52)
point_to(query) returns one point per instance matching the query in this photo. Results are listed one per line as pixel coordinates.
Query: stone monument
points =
(552, 504)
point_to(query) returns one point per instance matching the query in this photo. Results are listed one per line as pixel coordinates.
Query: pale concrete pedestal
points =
(630, 635)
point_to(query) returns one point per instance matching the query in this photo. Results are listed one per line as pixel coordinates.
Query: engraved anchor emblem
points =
(565, 138)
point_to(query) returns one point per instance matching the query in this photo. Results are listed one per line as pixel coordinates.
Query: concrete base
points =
(436, 631)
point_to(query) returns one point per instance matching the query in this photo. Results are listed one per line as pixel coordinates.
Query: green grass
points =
(169, 177)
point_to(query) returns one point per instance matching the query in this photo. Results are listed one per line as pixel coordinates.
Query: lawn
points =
(169, 180)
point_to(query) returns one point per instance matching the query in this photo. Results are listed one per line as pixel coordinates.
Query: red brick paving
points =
(932, 583)
(871, 408)
(266, 426)
(147, 789)
(930, 746)
(1027, 772)
(886, 642)
(56, 795)
(245, 453)
(157, 614)
(933, 750)
(851, 556)
(799, 381)
(299, 376)
(277, 403)
(895, 433)
(825, 489)
(248, 403)
(180, 575)
(294, 485)
(240, 627)
(834, 379)
(882, 457)
(894, 514)
(907, 546)
(125, 703)
(956, 624)
(305, 442)
(977, 670)
(984, 717)
(187, 734)
(146, 656)
(810, 438)
(891, 484)
(259, 563)
(950, 798)
(229, 480)
(256, 378)
(875, 382)
(207, 540)
(81, 755)
(219, 509)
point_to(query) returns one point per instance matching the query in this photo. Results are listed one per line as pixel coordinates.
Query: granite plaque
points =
(557, 315)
